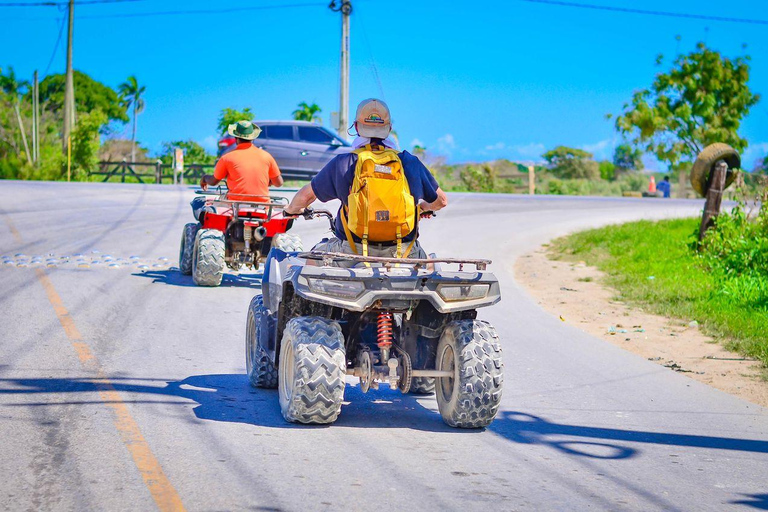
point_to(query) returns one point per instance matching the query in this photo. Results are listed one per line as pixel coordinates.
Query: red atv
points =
(235, 234)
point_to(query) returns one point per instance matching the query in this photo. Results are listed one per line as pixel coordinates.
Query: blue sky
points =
(469, 80)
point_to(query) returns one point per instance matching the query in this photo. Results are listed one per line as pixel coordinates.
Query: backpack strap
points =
(344, 223)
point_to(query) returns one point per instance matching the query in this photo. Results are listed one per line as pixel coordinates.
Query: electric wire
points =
(56, 46)
(631, 10)
(201, 11)
(63, 4)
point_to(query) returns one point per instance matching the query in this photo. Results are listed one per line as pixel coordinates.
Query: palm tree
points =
(306, 112)
(12, 87)
(130, 93)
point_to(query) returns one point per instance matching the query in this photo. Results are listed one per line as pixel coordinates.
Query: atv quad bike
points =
(234, 234)
(397, 321)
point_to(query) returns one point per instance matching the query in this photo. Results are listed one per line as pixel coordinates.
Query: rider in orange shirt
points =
(249, 170)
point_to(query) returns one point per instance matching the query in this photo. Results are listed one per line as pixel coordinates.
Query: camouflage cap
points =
(244, 130)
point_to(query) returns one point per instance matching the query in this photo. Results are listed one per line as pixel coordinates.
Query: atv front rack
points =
(329, 257)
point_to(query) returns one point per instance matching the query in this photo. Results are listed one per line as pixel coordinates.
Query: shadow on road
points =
(758, 501)
(589, 441)
(175, 278)
(229, 398)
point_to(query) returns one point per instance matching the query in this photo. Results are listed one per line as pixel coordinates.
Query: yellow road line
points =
(165, 495)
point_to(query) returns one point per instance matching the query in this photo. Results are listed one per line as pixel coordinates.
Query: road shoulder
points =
(574, 292)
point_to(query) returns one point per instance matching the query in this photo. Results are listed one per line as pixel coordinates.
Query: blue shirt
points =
(334, 181)
(665, 187)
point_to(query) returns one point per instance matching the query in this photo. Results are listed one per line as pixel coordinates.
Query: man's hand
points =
(203, 184)
(292, 213)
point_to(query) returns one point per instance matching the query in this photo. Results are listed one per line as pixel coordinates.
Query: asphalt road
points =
(122, 385)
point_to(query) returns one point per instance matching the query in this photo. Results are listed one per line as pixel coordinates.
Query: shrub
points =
(479, 179)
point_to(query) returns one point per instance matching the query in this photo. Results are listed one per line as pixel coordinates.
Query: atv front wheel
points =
(208, 258)
(422, 386)
(312, 370)
(470, 349)
(187, 247)
(261, 370)
(287, 243)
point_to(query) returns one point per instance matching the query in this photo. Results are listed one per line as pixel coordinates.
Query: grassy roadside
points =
(651, 264)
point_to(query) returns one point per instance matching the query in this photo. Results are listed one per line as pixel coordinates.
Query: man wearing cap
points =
(248, 170)
(373, 125)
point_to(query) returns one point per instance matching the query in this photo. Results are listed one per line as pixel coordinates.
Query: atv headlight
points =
(455, 292)
(347, 289)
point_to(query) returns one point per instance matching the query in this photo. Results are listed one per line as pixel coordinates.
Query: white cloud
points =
(601, 150)
(530, 151)
(211, 144)
(496, 147)
(446, 144)
(417, 142)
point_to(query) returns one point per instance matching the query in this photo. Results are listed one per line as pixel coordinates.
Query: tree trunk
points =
(23, 135)
(133, 136)
(713, 201)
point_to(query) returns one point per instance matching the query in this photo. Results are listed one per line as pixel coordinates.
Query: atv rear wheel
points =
(187, 247)
(312, 370)
(471, 350)
(422, 386)
(208, 257)
(287, 243)
(261, 370)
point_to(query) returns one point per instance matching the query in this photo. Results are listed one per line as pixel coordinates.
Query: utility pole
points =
(69, 85)
(35, 119)
(346, 9)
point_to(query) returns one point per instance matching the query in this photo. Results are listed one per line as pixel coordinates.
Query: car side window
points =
(314, 135)
(279, 132)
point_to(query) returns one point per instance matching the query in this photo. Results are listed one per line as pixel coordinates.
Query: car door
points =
(317, 147)
(279, 140)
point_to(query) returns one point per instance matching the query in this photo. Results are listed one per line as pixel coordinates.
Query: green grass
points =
(652, 264)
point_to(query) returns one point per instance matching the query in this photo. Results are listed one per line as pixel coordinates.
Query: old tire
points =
(312, 370)
(471, 397)
(287, 243)
(262, 372)
(422, 386)
(706, 161)
(187, 247)
(208, 257)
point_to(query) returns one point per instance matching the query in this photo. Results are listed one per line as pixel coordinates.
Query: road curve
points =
(123, 388)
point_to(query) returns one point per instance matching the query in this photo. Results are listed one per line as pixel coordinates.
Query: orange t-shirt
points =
(248, 171)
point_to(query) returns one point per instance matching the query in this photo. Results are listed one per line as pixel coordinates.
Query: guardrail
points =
(158, 172)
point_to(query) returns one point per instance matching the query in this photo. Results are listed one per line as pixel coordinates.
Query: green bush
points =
(479, 179)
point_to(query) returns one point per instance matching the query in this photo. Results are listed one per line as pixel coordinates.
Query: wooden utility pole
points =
(35, 119)
(69, 84)
(714, 197)
(531, 179)
(346, 9)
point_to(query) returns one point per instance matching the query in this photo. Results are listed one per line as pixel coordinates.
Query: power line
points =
(203, 11)
(650, 13)
(62, 4)
(55, 47)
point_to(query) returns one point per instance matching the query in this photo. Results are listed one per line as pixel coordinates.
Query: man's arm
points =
(303, 198)
(208, 180)
(275, 177)
(438, 204)
(277, 181)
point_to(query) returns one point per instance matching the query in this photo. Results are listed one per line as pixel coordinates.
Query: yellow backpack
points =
(380, 207)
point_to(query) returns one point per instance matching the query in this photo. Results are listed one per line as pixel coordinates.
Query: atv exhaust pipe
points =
(259, 233)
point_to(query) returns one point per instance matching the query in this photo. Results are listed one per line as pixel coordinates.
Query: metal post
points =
(35, 119)
(69, 85)
(158, 172)
(346, 10)
(531, 179)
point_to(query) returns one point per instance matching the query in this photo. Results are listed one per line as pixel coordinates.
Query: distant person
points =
(665, 187)
(248, 170)
(356, 179)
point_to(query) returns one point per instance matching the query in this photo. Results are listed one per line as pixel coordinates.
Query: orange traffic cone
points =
(652, 186)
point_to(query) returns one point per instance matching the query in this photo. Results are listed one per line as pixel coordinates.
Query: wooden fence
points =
(158, 172)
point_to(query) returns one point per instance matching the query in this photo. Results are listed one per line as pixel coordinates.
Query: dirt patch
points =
(575, 293)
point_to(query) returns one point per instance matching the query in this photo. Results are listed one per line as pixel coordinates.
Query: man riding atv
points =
(249, 170)
(379, 191)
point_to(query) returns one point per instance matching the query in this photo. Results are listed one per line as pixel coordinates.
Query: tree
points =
(12, 88)
(607, 170)
(700, 100)
(194, 153)
(130, 94)
(230, 116)
(627, 158)
(306, 112)
(90, 95)
(572, 163)
(85, 142)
